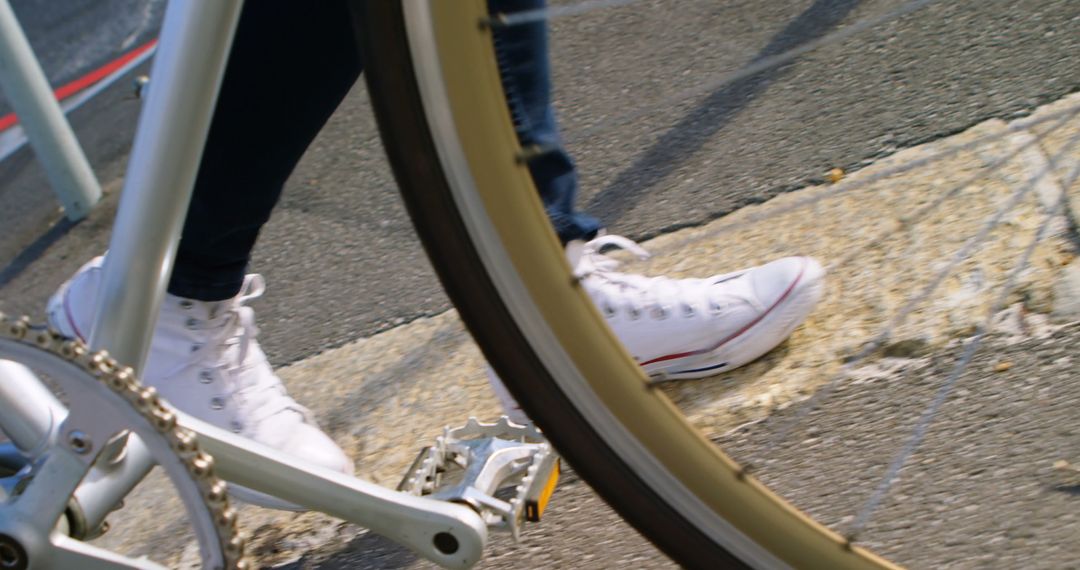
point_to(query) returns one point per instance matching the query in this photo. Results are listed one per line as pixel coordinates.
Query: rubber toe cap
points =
(779, 279)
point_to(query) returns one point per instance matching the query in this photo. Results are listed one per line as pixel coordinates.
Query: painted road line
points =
(74, 94)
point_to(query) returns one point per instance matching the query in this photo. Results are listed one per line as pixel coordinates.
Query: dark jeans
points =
(292, 63)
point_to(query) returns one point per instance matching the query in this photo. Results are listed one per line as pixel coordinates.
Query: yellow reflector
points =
(535, 509)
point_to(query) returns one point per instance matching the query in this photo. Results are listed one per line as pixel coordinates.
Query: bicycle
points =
(56, 456)
(611, 421)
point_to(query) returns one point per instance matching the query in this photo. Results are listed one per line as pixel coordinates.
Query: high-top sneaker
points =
(691, 328)
(204, 359)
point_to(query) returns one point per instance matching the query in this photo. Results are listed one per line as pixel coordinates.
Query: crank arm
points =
(449, 534)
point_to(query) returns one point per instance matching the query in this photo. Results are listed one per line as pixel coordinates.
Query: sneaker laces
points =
(636, 294)
(231, 331)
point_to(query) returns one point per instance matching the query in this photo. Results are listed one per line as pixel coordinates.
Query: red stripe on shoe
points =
(737, 333)
(71, 88)
(71, 318)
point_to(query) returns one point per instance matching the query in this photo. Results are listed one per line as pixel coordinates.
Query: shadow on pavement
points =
(712, 114)
(35, 250)
(368, 550)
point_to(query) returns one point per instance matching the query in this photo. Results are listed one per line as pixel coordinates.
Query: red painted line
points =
(74, 87)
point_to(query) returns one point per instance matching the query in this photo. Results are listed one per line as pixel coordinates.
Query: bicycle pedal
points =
(505, 471)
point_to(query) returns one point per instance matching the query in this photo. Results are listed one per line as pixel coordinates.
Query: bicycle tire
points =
(438, 99)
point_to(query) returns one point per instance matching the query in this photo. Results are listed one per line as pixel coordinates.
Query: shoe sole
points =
(778, 322)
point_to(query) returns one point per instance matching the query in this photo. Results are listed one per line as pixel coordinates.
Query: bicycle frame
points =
(173, 125)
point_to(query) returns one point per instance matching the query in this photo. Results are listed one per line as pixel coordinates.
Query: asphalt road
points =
(982, 489)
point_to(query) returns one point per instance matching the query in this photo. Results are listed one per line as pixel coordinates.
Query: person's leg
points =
(678, 328)
(524, 61)
(291, 64)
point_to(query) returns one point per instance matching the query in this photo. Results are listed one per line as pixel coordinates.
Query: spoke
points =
(910, 220)
(70, 553)
(969, 248)
(756, 66)
(1062, 117)
(931, 410)
(47, 495)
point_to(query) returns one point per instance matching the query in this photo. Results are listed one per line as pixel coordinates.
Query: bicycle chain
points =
(122, 381)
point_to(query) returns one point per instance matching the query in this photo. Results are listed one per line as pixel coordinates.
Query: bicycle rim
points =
(437, 93)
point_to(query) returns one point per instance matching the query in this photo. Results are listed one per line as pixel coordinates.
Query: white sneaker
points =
(204, 360)
(691, 328)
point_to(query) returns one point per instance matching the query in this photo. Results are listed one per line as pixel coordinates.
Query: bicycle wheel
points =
(438, 96)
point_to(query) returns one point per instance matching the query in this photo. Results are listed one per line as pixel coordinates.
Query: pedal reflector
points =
(534, 507)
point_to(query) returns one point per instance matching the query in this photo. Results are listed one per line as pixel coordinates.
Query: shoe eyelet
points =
(688, 311)
(206, 377)
(195, 347)
(191, 323)
(236, 426)
(186, 304)
(217, 403)
(634, 313)
(659, 313)
(609, 311)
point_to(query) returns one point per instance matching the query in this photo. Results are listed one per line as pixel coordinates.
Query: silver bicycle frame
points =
(49, 133)
(173, 125)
